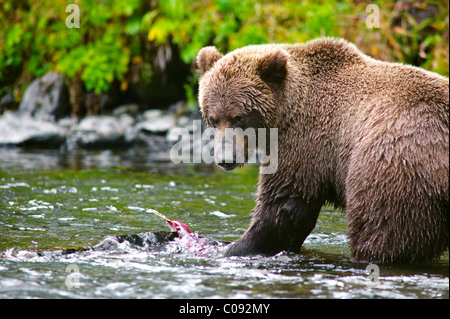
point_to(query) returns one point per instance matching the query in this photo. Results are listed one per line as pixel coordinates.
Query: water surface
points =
(58, 199)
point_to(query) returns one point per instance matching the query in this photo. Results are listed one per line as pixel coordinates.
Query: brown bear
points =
(369, 136)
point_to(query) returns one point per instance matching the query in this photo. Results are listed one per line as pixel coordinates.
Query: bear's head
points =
(240, 93)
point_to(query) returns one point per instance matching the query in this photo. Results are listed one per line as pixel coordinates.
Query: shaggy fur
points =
(369, 136)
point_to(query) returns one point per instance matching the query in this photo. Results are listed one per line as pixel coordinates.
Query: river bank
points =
(43, 120)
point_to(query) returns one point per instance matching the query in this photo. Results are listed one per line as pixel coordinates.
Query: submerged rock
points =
(201, 246)
(148, 239)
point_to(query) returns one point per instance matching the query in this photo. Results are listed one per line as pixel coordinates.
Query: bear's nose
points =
(228, 166)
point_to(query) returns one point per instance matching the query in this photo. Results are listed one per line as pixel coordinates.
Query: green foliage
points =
(100, 61)
(37, 40)
(116, 37)
(230, 24)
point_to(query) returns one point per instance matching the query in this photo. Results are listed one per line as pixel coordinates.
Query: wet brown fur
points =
(369, 136)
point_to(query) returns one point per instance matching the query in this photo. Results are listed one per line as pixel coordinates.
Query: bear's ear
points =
(273, 67)
(206, 58)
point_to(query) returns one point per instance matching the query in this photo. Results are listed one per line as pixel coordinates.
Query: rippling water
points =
(54, 200)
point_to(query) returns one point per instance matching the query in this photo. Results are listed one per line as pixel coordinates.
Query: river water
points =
(59, 199)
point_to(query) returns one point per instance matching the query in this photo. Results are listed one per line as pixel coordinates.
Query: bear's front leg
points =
(282, 225)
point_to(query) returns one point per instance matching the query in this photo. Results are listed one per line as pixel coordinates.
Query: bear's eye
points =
(238, 120)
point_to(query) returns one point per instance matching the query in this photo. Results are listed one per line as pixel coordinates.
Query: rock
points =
(156, 144)
(152, 130)
(151, 115)
(46, 98)
(126, 121)
(132, 109)
(23, 130)
(188, 137)
(7, 101)
(158, 125)
(67, 123)
(129, 130)
(102, 131)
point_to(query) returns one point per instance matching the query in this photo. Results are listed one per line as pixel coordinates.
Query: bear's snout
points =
(229, 149)
(227, 167)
